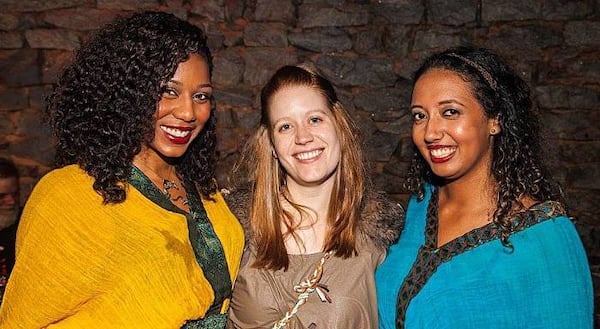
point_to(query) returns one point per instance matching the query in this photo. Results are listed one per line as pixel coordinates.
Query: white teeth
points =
(175, 132)
(442, 152)
(308, 155)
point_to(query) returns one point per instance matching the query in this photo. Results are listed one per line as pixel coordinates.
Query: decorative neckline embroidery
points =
(205, 243)
(430, 257)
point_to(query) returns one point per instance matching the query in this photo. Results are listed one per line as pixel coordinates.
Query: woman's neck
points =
(463, 206)
(312, 224)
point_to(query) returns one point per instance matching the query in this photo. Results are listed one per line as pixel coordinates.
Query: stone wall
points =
(368, 48)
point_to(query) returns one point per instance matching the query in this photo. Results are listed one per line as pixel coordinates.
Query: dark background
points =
(367, 48)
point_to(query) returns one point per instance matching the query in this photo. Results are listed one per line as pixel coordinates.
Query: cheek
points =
(202, 112)
(417, 135)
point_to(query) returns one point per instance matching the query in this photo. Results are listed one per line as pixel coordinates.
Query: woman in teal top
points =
(487, 242)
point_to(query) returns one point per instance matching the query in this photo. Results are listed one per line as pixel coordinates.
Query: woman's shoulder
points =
(60, 190)
(382, 219)
(64, 179)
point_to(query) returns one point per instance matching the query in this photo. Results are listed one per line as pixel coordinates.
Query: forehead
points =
(297, 99)
(195, 67)
(442, 82)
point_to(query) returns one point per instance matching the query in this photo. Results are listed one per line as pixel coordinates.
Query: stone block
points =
(127, 4)
(566, 10)
(234, 97)
(584, 175)
(524, 42)
(357, 71)
(11, 40)
(210, 10)
(39, 5)
(310, 15)
(52, 39)
(510, 10)
(54, 62)
(440, 38)
(368, 42)
(261, 63)
(228, 67)
(573, 124)
(566, 96)
(384, 103)
(381, 146)
(82, 19)
(396, 39)
(582, 33)
(275, 11)
(13, 99)
(325, 40)
(398, 12)
(19, 67)
(265, 35)
(8, 22)
(452, 12)
(579, 152)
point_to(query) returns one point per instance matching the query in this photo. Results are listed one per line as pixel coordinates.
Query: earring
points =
(493, 131)
(274, 155)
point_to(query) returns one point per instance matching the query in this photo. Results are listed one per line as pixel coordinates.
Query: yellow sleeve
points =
(58, 259)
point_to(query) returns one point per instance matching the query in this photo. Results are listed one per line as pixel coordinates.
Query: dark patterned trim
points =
(429, 257)
(205, 242)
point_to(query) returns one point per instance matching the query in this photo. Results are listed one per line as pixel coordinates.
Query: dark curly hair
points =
(102, 108)
(516, 157)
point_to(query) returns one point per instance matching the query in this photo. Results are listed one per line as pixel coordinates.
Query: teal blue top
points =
(544, 281)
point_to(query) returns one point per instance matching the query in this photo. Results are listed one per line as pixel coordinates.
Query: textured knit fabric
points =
(544, 282)
(82, 264)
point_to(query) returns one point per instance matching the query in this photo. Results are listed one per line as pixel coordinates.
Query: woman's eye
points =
(169, 92)
(418, 116)
(450, 112)
(315, 120)
(284, 127)
(201, 97)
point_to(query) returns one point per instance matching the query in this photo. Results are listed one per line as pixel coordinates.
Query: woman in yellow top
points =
(130, 231)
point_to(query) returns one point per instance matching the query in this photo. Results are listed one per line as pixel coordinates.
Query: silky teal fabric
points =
(545, 282)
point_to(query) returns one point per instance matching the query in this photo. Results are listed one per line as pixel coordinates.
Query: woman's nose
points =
(303, 135)
(184, 109)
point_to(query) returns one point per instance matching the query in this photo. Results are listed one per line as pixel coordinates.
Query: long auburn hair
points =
(517, 165)
(267, 177)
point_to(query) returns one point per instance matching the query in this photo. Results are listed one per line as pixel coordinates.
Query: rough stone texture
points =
(52, 39)
(453, 12)
(11, 40)
(83, 19)
(8, 22)
(321, 15)
(323, 41)
(509, 10)
(369, 49)
(265, 35)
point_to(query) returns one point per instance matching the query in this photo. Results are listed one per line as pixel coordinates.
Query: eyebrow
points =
(202, 85)
(444, 102)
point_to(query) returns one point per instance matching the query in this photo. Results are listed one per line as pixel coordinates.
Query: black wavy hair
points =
(517, 165)
(102, 107)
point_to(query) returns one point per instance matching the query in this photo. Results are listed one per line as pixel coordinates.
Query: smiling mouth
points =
(176, 132)
(308, 155)
(442, 152)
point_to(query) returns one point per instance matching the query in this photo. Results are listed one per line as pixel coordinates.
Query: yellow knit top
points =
(82, 264)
